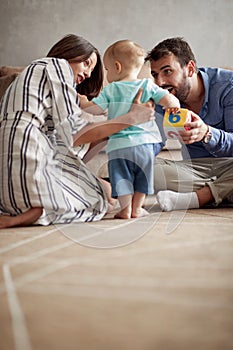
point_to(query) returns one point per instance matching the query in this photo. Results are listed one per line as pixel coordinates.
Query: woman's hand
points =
(195, 130)
(141, 112)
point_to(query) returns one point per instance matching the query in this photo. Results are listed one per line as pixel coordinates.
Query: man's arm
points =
(220, 143)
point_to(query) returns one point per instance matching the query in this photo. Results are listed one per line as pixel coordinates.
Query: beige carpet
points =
(164, 282)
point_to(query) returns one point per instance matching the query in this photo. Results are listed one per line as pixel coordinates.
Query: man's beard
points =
(183, 91)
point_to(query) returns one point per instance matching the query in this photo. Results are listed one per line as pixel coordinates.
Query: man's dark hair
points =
(176, 46)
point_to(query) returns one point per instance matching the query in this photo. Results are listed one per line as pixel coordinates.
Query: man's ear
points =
(191, 68)
(118, 66)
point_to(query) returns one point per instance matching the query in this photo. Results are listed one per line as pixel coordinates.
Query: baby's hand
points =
(83, 100)
(172, 110)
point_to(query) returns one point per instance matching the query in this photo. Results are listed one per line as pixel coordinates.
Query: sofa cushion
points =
(9, 70)
(7, 75)
(5, 81)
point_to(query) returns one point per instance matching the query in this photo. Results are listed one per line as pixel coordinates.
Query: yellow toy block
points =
(173, 123)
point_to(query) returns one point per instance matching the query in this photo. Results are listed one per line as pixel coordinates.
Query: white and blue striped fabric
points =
(39, 114)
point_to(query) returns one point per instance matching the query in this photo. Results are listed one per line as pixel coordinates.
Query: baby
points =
(130, 151)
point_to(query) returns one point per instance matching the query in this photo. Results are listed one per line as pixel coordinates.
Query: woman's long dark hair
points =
(73, 46)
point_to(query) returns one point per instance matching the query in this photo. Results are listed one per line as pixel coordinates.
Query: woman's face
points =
(83, 70)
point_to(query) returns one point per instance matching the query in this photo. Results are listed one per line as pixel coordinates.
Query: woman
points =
(43, 137)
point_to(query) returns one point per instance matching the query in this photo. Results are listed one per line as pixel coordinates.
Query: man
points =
(206, 174)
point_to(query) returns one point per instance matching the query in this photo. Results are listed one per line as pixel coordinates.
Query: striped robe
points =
(39, 165)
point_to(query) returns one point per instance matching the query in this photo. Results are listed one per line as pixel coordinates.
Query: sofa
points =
(7, 75)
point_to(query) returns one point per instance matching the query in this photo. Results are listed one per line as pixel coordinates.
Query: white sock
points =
(169, 200)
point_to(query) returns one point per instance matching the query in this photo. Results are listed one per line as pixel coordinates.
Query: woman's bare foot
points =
(6, 221)
(25, 219)
(140, 213)
(112, 202)
(112, 205)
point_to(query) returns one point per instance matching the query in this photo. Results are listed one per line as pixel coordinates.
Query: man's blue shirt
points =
(216, 111)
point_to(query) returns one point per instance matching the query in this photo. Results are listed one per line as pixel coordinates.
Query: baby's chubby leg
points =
(137, 205)
(126, 207)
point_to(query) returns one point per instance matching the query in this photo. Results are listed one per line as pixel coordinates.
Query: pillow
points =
(5, 81)
(9, 70)
(7, 75)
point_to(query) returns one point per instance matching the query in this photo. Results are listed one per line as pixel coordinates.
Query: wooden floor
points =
(164, 282)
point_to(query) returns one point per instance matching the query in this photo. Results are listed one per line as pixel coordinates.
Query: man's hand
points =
(194, 130)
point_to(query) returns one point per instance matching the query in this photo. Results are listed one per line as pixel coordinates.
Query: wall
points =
(30, 27)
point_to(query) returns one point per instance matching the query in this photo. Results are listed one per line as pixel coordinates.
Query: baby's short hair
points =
(127, 53)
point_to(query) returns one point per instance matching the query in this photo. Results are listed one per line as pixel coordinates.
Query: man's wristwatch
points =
(207, 137)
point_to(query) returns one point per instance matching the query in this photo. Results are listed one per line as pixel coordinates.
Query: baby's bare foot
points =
(139, 213)
(123, 214)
